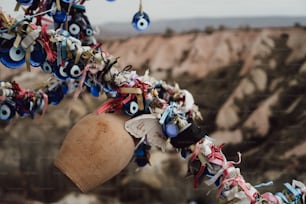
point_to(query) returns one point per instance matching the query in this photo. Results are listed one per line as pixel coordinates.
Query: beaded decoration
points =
(72, 55)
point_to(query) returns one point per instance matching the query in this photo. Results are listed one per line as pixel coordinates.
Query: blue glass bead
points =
(25, 2)
(95, 90)
(47, 67)
(140, 152)
(88, 31)
(61, 72)
(13, 59)
(55, 95)
(7, 110)
(60, 16)
(38, 55)
(74, 70)
(141, 155)
(141, 21)
(131, 108)
(110, 0)
(65, 88)
(74, 29)
(171, 130)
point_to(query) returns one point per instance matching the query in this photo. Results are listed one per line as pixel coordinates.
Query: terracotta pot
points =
(96, 149)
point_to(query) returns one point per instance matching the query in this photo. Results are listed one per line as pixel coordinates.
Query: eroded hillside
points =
(249, 85)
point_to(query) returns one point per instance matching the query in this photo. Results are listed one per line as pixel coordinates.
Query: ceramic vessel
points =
(96, 149)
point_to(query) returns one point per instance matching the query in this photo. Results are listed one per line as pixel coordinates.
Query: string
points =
(140, 6)
(25, 19)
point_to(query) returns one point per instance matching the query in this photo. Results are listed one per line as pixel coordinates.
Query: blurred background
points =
(243, 61)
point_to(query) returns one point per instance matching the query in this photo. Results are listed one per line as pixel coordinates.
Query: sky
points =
(102, 11)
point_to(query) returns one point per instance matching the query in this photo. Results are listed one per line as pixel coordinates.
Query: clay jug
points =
(96, 149)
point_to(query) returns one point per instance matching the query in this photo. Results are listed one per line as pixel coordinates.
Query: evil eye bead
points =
(61, 72)
(47, 67)
(15, 58)
(141, 21)
(25, 2)
(60, 16)
(38, 55)
(16, 54)
(7, 111)
(74, 29)
(131, 108)
(88, 32)
(75, 71)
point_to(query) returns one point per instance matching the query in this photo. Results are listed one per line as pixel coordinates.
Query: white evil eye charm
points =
(15, 58)
(16, 54)
(88, 31)
(47, 67)
(131, 108)
(74, 29)
(60, 72)
(141, 21)
(75, 71)
(25, 2)
(7, 111)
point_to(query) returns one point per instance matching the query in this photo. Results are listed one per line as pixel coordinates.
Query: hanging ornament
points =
(13, 59)
(38, 55)
(25, 2)
(7, 110)
(141, 20)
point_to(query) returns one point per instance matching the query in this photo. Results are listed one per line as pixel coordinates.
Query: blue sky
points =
(102, 11)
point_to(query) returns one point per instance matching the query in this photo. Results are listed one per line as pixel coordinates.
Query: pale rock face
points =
(259, 78)
(227, 117)
(259, 119)
(228, 137)
(298, 48)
